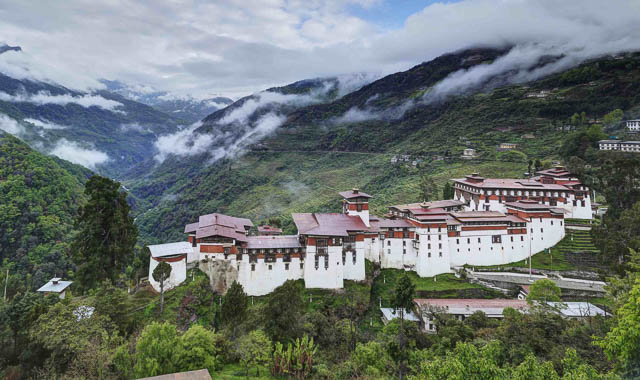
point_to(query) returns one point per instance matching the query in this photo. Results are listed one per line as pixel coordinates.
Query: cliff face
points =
(221, 274)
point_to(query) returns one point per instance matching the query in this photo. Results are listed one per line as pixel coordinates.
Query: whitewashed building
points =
(619, 145)
(56, 286)
(428, 238)
(554, 187)
(633, 125)
(175, 254)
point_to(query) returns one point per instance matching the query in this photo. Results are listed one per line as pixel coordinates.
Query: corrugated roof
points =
(332, 224)
(267, 228)
(269, 242)
(491, 307)
(50, 287)
(391, 314)
(394, 223)
(510, 183)
(577, 309)
(220, 225)
(170, 249)
(352, 194)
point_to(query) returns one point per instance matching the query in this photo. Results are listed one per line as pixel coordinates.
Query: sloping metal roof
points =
(459, 306)
(390, 314)
(59, 287)
(220, 225)
(577, 309)
(332, 224)
(170, 249)
(353, 194)
(279, 241)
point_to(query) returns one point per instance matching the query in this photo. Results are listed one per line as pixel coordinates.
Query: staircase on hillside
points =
(579, 251)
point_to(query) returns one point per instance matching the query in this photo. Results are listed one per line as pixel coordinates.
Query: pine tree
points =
(234, 306)
(106, 235)
(447, 191)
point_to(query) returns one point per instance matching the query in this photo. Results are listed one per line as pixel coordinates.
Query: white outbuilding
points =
(175, 254)
(56, 286)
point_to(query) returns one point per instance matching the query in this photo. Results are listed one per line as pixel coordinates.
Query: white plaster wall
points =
(391, 254)
(178, 274)
(372, 249)
(355, 270)
(364, 215)
(263, 280)
(430, 262)
(330, 278)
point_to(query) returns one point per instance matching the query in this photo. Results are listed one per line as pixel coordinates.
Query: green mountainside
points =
(39, 199)
(125, 133)
(309, 158)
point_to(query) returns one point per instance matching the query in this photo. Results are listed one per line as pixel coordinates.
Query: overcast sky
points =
(236, 47)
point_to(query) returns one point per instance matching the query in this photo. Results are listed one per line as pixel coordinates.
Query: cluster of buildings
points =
(619, 145)
(489, 222)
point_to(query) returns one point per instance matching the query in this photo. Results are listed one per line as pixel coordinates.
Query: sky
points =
(237, 47)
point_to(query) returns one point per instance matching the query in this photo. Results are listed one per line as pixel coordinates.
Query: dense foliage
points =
(103, 246)
(38, 203)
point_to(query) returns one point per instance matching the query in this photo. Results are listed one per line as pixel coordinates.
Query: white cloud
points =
(44, 97)
(236, 48)
(44, 124)
(73, 152)
(182, 143)
(11, 126)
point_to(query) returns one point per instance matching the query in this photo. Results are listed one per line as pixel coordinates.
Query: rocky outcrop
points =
(222, 274)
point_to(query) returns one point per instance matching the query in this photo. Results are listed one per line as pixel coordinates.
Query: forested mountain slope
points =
(100, 130)
(323, 148)
(39, 199)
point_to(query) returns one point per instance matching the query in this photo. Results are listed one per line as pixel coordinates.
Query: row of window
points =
(286, 266)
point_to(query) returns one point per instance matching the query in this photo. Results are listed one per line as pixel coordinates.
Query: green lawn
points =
(574, 241)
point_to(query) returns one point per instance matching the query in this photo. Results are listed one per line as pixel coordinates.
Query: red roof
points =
(219, 225)
(267, 228)
(332, 224)
(355, 193)
(511, 183)
(283, 241)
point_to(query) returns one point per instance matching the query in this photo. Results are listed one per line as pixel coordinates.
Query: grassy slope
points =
(309, 160)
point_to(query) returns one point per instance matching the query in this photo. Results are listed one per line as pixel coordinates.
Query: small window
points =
(511, 238)
(541, 229)
(429, 246)
(388, 243)
(521, 238)
(286, 266)
(440, 245)
(301, 265)
(404, 251)
(404, 243)
(457, 241)
(496, 239)
(552, 222)
(439, 237)
(478, 240)
(253, 267)
(428, 254)
(468, 241)
(270, 267)
(440, 254)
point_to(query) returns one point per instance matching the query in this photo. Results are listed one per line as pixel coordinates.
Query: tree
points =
(114, 303)
(403, 300)
(65, 335)
(161, 273)
(282, 312)
(622, 343)
(255, 349)
(199, 348)
(156, 350)
(616, 236)
(103, 246)
(234, 306)
(618, 179)
(370, 360)
(613, 117)
(448, 192)
(428, 188)
(544, 291)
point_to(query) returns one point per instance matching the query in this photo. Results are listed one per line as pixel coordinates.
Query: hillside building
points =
(469, 153)
(633, 125)
(490, 222)
(619, 145)
(553, 187)
(506, 146)
(268, 230)
(56, 286)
